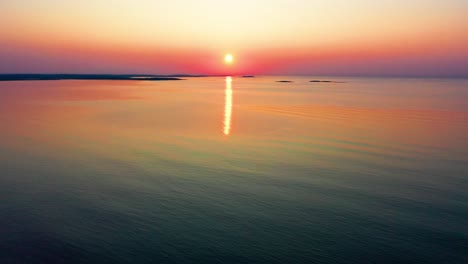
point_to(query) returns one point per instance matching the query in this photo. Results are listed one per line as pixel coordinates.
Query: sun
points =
(228, 58)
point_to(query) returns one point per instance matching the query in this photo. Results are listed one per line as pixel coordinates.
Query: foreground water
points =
(234, 170)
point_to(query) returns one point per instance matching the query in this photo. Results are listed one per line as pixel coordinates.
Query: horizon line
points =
(240, 75)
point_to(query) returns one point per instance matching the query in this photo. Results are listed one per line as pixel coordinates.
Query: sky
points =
(279, 37)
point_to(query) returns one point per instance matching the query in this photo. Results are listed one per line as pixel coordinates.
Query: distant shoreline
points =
(116, 77)
(176, 77)
(130, 77)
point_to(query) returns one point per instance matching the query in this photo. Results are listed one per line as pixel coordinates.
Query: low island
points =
(324, 81)
(54, 77)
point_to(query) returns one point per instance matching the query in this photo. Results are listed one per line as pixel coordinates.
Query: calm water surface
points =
(234, 170)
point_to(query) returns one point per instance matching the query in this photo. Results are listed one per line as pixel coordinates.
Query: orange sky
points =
(266, 37)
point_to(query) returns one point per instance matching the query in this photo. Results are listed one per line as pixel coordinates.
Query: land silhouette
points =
(54, 77)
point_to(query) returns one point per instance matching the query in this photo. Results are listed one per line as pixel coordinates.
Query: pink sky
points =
(421, 38)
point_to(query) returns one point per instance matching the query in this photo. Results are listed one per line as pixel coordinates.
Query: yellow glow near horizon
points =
(228, 59)
(199, 37)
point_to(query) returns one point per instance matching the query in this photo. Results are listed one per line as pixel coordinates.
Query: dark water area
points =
(234, 170)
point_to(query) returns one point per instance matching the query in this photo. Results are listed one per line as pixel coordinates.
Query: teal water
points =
(239, 170)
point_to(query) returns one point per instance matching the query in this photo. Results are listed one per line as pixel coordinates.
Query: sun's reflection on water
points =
(228, 107)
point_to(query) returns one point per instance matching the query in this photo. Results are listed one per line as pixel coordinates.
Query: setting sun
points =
(228, 58)
(259, 131)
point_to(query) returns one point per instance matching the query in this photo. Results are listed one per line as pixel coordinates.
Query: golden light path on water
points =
(228, 106)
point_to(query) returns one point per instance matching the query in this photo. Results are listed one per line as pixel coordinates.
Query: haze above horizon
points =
(397, 38)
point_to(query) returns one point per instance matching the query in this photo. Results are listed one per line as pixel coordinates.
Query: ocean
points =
(234, 170)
